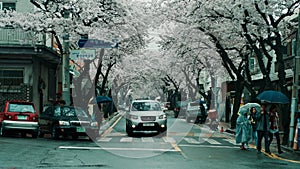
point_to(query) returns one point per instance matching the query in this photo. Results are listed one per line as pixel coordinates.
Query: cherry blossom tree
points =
(100, 19)
(237, 28)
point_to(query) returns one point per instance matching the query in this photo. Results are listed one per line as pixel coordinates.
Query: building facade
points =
(29, 62)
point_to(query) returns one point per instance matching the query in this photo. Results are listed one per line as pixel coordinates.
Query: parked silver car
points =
(146, 116)
(196, 112)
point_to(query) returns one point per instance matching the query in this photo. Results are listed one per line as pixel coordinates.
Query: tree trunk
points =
(239, 86)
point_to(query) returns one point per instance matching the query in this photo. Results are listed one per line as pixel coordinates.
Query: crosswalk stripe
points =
(104, 139)
(147, 139)
(116, 134)
(211, 141)
(169, 140)
(231, 141)
(126, 139)
(191, 141)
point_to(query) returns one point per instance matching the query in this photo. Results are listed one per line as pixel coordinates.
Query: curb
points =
(286, 148)
(108, 123)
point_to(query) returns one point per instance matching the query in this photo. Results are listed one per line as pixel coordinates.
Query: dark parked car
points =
(67, 121)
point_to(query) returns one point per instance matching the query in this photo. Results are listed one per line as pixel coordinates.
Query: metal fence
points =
(11, 36)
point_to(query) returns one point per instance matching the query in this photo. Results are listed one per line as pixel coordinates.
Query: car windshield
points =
(23, 108)
(69, 112)
(145, 106)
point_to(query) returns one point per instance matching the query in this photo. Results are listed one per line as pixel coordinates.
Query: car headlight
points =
(133, 116)
(94, 124)
(64, 123)
(163, 116)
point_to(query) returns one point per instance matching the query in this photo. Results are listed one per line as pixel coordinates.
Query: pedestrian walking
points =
(263, 127)
(243, 129)
(253, 121)
(274, 130)
(97, 115)
(203, 113)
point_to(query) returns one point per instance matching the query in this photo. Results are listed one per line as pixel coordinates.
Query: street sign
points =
(83, 54)
(95, 43)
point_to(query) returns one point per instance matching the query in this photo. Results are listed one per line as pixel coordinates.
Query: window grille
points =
(11, 77)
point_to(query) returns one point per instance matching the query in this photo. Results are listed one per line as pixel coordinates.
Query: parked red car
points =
(19, 117)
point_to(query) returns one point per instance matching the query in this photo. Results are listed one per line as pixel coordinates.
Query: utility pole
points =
(65, 66)
(294, 102)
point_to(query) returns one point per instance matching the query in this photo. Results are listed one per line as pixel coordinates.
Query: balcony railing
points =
(11, 36)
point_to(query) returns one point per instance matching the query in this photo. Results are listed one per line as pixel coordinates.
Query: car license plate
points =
(80, 129)
(148, 124)
(22, 117)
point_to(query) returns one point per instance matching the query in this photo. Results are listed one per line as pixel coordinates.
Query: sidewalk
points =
(273, 147)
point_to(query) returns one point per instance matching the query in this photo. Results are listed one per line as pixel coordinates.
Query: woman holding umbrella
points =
(243, 129)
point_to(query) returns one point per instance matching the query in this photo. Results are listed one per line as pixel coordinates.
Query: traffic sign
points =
(95, 43)
(88, 54)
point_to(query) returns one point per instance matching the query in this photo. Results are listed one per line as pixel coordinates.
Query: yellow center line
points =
(108, 131)
(274, 156)
(175, 146)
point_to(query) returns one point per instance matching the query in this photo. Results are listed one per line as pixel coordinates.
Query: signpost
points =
(83, 54)
(95, 43)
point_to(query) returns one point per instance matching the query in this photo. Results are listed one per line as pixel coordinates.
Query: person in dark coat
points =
(274, 127)
(203, 113)
(263, 127)
(253, 121)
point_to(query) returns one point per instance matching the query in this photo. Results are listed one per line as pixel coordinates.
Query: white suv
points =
(146, 116)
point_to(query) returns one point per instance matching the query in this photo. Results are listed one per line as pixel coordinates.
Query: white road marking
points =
(231, 141)
(205, 146)
(116, 134)
(116, 148)
(191, 140)
(147, 139)
(211, 141)
(104, 139)
(126, 139)
(169, 140)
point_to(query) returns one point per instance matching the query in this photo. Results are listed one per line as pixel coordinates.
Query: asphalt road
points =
(186, 146)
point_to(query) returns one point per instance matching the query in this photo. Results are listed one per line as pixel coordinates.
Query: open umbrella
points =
(248, 106)
(271, 96)
(103, 99)
(243, 110)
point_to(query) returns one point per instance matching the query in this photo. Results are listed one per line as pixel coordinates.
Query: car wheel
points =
(34, 134)
(74, 136)
(54, 134)
(23, 135)
(40, 133)
(92, 136)
(129, 131)
(2, 131)
(163, 133)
